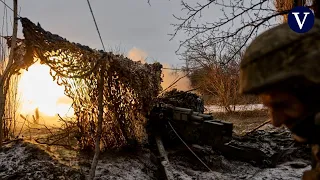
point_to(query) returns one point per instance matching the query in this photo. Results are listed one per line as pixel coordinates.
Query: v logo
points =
(296, 15)
(299, 24)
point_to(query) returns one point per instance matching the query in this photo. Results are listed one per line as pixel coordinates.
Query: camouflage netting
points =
(129, 87)
(183, 99)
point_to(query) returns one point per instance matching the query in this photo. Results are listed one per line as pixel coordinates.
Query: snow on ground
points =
(112, 165)
(139, 166)
(240, 170)
(248, 107)
(23, 160)
(272, 142)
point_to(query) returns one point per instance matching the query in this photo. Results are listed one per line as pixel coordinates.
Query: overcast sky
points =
(123, 23)
(132, 25)
(128, 24)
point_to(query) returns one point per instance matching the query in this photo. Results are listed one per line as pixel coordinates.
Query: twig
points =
(13, 140)
(51, 144)
(174, 82)
(25, 119)
(254, 129)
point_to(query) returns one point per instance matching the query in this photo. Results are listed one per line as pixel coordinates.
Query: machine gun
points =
(193, 127)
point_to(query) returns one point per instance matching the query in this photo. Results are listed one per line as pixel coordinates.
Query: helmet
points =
(280, 54)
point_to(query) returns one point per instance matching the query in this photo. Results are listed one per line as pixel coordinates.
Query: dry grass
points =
(243, 121)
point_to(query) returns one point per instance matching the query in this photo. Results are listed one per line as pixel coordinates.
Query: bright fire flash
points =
(38, 90)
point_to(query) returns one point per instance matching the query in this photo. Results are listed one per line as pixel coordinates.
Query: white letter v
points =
(298, 19)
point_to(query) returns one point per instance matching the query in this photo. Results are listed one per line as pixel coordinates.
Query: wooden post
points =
(100, 119)
(5, 77)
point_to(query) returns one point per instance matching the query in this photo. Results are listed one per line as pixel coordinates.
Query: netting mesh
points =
(129, 87)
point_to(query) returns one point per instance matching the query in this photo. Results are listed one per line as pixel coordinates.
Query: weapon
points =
(194, 128)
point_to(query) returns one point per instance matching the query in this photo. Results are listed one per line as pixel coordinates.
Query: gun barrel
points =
(184, 113)
(184, 110)
(196, 118)
(205, 116)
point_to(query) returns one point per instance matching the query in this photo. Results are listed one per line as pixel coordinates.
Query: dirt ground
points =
(243, 121)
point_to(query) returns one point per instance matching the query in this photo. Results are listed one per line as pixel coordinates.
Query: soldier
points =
(282, 67)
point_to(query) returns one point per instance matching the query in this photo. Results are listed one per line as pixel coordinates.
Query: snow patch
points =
(248, 107)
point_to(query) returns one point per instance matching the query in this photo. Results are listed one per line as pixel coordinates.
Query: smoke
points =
(169, 76)
(64, 100)
(137, 55)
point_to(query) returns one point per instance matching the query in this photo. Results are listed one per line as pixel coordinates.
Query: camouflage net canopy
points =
(183, 99)
(129, 87)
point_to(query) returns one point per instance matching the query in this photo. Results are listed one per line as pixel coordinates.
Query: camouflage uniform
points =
(282, 59)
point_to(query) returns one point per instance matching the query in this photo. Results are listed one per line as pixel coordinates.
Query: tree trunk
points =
(100, 119)
(6, 74)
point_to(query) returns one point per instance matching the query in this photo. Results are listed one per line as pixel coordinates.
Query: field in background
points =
(244, 118)
(237, 108)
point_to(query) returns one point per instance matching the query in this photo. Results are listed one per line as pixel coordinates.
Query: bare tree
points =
(214, 45)
(234, 21)
(212, 76)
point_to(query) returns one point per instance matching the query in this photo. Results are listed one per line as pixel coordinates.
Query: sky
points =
(126, 24)
(133, 26)
(136, 28)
